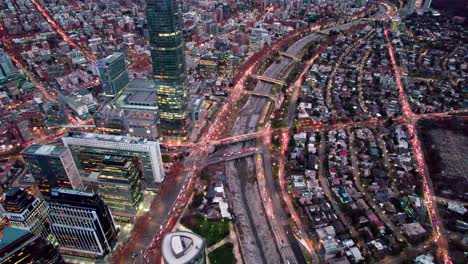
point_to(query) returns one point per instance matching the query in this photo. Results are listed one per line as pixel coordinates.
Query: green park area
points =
(223, 255)
(212, 231)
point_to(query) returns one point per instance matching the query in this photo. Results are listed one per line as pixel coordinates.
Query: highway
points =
(247, 123)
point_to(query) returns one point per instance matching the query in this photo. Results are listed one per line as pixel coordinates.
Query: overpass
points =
(269, 80)
(323, 32)
(239, 138)
(269, 96)
(233, 156)
(288, 55)
(78, 126)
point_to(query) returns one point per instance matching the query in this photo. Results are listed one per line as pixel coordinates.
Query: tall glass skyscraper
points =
(168, 61)
(52, 167)
(113, 73)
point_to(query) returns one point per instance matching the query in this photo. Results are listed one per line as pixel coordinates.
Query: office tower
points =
(427, 4)
(88, 151)
(26, 212)
(20, 246)
(183, 247)
(82, 223)
(7, 68)
(52, 167)
(113, 73)
(119, 185)
(168, 61)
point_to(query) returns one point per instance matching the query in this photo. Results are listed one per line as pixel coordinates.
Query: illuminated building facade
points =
(208, 65)
(88, 151)
(52, 167)
(20, 246)
(82, 223)
(26, 212)
(120, 187)
(113, 73)
(168, 61)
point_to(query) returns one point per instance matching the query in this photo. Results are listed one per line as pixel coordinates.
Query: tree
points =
(197, 199)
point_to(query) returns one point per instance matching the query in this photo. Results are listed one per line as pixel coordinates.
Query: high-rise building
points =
(52, 167)
(113, 73)
(183, 247)
(26, 212)
(89, 150)
(7, 68)
(119, 185)
(168, 61)
(82, 223)
(20, 246)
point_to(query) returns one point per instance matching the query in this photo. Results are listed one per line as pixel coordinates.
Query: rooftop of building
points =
(108, 138)
(182, 247)
(43, 150)
(57, 192)
(140, 115)
(139, 84)
(138, 94)
(132, 116)
(13, 191)
(413, 229)
(9, 235)
(146, 98)
(109, 59)
(110, 111)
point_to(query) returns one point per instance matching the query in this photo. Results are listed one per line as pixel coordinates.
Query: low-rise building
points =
(183, 248)
(415, 232)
